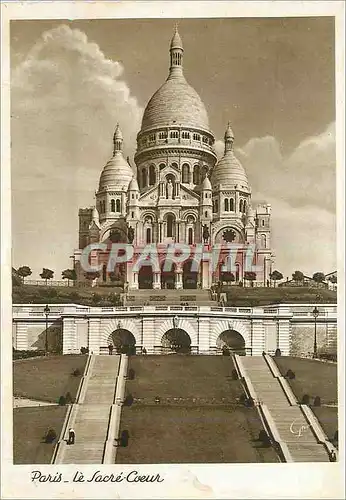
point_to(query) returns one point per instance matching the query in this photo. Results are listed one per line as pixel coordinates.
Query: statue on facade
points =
(175, 322)
(206, 234)
(169, 190)
(131, 234)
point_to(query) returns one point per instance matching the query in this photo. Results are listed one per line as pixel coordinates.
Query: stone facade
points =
(208, 328)
(178, 192)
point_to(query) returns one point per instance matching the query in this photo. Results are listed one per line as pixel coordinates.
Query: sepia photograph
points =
(173, 245)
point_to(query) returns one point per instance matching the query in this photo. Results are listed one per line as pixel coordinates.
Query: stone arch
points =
(218, 234)
(119, 324)
(223, 325)
(181, 324)
(189, 214)
(148, 213)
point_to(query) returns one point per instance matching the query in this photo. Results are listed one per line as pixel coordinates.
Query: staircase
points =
(289, 420)
(194, 297)
(91, 419)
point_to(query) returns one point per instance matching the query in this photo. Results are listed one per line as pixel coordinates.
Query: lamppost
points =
(46, 312)
(315, 313)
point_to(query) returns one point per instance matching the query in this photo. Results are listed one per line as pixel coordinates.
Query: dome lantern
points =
(176, 52)
(117, 140)
(229, 138)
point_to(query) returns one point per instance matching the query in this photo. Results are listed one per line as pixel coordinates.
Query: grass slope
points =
(30, 425)
(47, 378)
(238, 296)
(161, 434)
(315, 379)
(198, 419)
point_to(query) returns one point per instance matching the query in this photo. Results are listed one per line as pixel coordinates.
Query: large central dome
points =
(176, 102)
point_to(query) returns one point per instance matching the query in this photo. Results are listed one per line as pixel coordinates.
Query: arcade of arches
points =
(177, 340)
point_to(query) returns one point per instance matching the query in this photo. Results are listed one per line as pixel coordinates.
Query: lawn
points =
(198, 418)
(163, 434)
(313, 377)
(30, 425)
(243, 296)
(207, 379)
(47, 378)
(328, 418)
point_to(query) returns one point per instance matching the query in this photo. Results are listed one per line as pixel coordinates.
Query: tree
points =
(50, 436)
(250, 276)
(23, 272)
(319, 277)
(96, 298)
(47, 274)
(228, 277)
(276, 276)
(91, 275)
(69, 275)
(298, 276)
(333, 279)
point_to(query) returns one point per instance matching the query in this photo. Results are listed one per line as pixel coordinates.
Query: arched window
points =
(185, 173)
(112, 206)
(174, 165)
(263, 222)
(118, 206)
(231, 205)
(226, 205)
(144, 178)
(162, 166)
(195, 174)
(104, 272)
(216, 205)
(170, 224)
(190, 236)
(241, 206)
(152, 175)
(148, 235)
(205, 214)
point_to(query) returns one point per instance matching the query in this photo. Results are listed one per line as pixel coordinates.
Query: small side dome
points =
(206, 185)
(133, 186)
(229, 172)
(117, 173)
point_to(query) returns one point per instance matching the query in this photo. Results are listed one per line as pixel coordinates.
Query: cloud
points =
(301, 189)
(306, 176)
(66, 100)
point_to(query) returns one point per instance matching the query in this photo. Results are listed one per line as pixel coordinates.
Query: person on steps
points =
(71, 436)
(110, 349)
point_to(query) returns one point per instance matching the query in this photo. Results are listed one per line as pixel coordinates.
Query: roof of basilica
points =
(175, 102)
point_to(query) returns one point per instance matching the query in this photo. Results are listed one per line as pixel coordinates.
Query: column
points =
(205, 274)
(156, 280)
(191, 174)
(69, 336)
(135, 284)
(178, 278)
(258, 337)
(94, 335)
(204, 327)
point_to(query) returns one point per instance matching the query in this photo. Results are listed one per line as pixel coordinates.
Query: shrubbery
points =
(264, 438)
(124, 439)
(317, 401)
(27, 354)
(278, 352)
(306, 399)
(290, 374)
(50, 436)
(62, 401)
(77, 372)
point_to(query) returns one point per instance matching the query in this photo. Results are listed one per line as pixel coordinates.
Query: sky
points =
(72, 81)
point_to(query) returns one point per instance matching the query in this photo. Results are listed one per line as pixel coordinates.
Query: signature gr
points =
(297, 428)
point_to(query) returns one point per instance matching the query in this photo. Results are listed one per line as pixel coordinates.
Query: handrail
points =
(86, 368)
(282, 381)
(272, 430)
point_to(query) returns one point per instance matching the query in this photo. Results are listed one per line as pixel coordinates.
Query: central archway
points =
(145, 278)
(168, 275)
(176, 340)
(231, 340)
(190, 276)
(123, 341)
